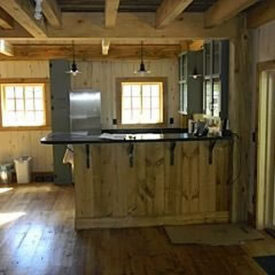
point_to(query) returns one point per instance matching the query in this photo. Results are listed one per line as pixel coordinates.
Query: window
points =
(208, 97)
(216, 55)
(183, 83)
(216, 97)
(140, 101)
(23, 105)
(183, 97)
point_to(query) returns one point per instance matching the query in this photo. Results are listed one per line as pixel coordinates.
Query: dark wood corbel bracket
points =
(212, 144)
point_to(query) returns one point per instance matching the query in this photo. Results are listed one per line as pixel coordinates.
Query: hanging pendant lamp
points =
(74, 68)
(142, 69)
(195, 74)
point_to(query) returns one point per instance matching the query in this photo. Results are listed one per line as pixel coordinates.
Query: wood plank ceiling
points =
(113, 23)
(127, 5)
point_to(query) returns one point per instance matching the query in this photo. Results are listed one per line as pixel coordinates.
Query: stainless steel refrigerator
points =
(85, 111)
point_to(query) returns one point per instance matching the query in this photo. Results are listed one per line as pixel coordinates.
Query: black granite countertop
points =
(81, 138)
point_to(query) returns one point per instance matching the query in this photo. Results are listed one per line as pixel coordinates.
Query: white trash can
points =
(23, 169)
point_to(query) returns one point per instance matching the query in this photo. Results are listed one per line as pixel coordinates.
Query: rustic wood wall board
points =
(18, 143)
(112, 190)
(102, 75)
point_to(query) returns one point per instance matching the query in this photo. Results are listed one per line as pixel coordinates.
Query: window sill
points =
(25, 128)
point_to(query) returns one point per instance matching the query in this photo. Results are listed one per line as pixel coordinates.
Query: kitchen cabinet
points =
(60, 88)
(215, 78)
(190, 86)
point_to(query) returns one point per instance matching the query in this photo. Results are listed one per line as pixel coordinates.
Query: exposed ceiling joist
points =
(6, 21)
(52, 12)
(169, 10)
(224, 10)
(105, 44)
(22, 12)
(131, 28)
(139, 26)
(6, 48)
(111, 7)
(261, 14)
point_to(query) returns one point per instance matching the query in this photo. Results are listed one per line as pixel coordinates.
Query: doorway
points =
(265, 213)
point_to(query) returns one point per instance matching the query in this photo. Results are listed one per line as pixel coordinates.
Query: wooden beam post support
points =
(6, 21)
(224, 10)
(6, 48)
(169, 10)
(261, 14)
(52, 12)
(196, 45)
(23, 13)
(111, 7)
(105, 46)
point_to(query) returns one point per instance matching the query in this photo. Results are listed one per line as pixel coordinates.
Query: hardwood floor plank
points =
(42, 240)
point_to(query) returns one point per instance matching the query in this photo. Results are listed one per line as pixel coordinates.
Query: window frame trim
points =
(46, 99)
(163, 80)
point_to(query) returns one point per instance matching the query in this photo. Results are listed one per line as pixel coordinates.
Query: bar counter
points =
(71, 138)
(150, 179)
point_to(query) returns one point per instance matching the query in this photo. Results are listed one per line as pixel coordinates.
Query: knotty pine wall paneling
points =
(102, 75)
(261, 49)
(14, 144)
(111, 193)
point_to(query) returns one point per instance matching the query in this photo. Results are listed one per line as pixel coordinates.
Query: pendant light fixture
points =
(142, 70)
(74, 69)
(195, 74)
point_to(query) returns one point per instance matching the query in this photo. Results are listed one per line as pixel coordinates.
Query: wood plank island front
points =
(129, 184)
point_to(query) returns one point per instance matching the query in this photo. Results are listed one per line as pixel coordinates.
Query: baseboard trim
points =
(43, 176)
(37, 177)
(125, 222)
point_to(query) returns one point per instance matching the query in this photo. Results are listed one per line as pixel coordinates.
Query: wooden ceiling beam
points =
(6, 21)
(92, 52)
(140, 26)
(52, 12)
(111, 7)
(224, 10)
(169, 10)
(105, 44)
(261, 14)
(6, 48)
(23, 13)
(130, 28)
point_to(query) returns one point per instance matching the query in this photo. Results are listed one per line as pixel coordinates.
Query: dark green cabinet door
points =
(60, 105)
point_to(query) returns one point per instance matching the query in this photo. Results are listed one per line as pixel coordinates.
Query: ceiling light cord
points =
(73, 48)
(74, 67)
(141, 53)
(142, 69)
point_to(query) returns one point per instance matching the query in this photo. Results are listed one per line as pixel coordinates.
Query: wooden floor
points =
(37, 237)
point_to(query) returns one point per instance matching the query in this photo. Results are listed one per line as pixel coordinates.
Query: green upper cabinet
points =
(190, 87)
(215, 78)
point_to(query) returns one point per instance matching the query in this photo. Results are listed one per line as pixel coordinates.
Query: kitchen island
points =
(150, 179)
